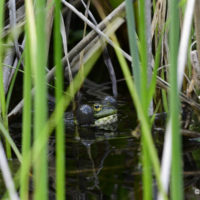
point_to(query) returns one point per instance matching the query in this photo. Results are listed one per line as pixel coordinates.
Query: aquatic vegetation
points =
(118, 63)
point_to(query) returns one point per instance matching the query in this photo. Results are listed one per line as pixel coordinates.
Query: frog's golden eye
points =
(97, 107)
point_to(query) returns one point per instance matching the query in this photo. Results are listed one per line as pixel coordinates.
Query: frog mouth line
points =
(106, 120)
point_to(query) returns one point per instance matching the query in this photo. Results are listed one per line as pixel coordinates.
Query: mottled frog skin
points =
(96, 115)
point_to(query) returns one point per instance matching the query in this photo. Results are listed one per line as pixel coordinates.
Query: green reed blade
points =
(176, 179)
(2, 93)
(133, 44)
(60, 137)
(26, 122)
(140, 77)
(40, 100)
(146, 162)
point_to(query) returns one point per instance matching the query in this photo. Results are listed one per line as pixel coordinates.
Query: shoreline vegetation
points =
(153, 45)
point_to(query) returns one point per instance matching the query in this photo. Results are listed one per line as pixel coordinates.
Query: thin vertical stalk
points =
(147, 168)
(60, 150)
(141, 81)
(149, 49)
(133, 44)
(26, 130)
(176, 181)
(40, 101)
(30, 63)
(143, 53)
(2, 92)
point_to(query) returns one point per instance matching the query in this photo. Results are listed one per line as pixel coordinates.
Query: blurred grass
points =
(133, 45)
(140, 90)
(3, 110)
(176, 176)
(27, 118)
(40, 165)
(60, 137)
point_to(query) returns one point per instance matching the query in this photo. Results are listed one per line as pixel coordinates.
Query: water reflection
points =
(105, 163)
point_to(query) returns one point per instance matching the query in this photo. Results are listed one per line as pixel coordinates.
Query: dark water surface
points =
(105, 164)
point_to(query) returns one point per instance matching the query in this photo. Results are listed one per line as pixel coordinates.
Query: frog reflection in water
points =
(103, 113)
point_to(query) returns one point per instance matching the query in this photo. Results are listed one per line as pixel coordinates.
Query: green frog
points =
(96, 115)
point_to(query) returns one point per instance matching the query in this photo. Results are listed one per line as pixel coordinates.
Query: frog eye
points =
(97, 107)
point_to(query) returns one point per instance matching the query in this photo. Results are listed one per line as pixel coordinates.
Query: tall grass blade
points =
(2, 93)
(133, 44)
(26, 123)
(40, 100)
(176, 181)
(30, 63)
(60, 150)
(147, 168)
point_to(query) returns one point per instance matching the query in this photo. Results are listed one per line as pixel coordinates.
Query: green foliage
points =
(148, 140)
(142, 90)
(60, 137)
(26, 122)
(177, 182)
(3, 113)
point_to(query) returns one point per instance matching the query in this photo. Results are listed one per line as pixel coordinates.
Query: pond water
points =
(105, 164)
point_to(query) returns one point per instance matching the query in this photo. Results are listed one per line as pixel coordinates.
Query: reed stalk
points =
(26, 123)
(133, 44)
(40, 100)
(60, 137)
(142, 90)
(3, 112)
(176, 170)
